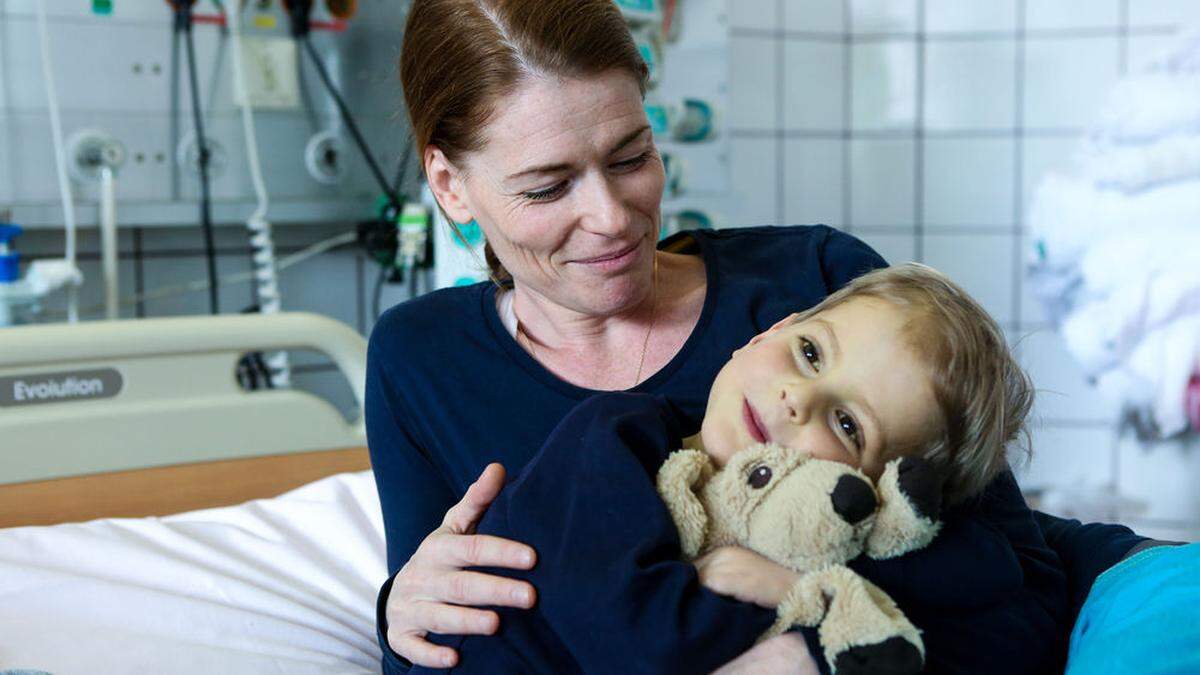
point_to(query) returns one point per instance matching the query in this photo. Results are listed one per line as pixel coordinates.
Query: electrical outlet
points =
(271, 73)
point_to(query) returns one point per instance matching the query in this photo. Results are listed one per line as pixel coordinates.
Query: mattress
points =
(282, 585)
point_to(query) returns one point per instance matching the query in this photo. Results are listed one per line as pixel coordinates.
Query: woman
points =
(528, 115)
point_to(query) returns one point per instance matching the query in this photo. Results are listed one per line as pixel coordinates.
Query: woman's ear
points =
(445, 180)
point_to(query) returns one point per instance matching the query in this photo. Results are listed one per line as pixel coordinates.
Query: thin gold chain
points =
(637, 377)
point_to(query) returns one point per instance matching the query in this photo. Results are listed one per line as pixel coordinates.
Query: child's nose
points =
(795, 404)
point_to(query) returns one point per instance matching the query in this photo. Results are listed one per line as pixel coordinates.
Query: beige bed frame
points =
(145, 417)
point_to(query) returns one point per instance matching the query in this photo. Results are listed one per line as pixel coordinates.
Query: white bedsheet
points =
(283, 585)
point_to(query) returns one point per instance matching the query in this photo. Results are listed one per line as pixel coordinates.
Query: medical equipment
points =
(263, 256)
(183, 25)
(20, 299)
(64, 186)
(96, 156)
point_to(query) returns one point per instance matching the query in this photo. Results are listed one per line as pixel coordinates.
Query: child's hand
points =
(745, 575)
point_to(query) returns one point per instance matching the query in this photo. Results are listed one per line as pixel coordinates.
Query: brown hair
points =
(982, 392)
(460, 57)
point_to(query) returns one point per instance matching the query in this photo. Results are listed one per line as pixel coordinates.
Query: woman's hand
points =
(419, 602)
(745, 575)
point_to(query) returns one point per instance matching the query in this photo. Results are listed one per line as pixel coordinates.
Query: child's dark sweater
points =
(614, 594)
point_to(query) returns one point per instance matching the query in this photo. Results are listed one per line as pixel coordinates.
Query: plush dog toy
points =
(813, 515)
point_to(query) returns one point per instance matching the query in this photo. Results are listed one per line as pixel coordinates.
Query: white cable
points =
(108, 240)
(64, 185)
(269, 300)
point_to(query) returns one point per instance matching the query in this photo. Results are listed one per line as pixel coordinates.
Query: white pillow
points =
(276, 585)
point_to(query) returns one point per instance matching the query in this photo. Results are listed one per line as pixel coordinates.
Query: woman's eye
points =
(632, 163)
(810, 353)
(849, 427)
(547, 194)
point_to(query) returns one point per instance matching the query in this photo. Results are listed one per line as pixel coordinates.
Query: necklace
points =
(637, 377)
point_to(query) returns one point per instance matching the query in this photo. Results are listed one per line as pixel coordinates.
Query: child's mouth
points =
(753, 423)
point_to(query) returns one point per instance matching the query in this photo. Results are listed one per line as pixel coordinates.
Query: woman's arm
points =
(1086, 550)
(426, 563)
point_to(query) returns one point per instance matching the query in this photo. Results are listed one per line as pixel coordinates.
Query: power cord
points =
(183, 24)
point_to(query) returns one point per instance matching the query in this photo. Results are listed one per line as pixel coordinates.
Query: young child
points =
(899, 362)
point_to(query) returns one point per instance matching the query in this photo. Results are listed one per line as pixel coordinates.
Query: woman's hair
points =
(461, 57)
(981, 390)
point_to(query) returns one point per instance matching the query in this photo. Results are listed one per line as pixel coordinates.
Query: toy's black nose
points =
(853, 499)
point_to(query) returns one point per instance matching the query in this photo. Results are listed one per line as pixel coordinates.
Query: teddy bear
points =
(813, 516)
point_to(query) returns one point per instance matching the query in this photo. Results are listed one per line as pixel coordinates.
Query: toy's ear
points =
(911, 494)
(679, 480)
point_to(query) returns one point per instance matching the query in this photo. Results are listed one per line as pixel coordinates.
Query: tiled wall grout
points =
(958, 36)
(918, 144)
(780, 117)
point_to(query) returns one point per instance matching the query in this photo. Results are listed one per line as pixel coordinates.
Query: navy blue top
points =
(449, 390)
(615, 596)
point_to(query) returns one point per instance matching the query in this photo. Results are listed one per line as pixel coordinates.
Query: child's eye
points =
(547, 194)
(849, 427)
(809, 352)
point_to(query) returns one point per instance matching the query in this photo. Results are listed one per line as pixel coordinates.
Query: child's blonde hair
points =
(983, 393)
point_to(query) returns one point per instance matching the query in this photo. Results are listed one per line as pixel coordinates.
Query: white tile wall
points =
(814, 16)
(895, 248)
(753, 64)
(981, 263)
(1064, 14)
(968, 181)
(755, 181)
(814, 82)
(812, 181)
(881, 182)
(884, 85)
(969, 84)
(755, 14)
(1067, 79)
(970, 15)
(1164, 13)
(883, 16)
(940, 179)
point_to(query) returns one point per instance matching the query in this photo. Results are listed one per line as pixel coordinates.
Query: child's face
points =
(843, 385)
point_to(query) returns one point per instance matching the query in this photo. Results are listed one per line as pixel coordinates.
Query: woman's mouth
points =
(615, 260)
(753, 423)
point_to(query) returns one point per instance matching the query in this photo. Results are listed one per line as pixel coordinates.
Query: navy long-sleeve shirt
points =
(615, 596)
(449, 390)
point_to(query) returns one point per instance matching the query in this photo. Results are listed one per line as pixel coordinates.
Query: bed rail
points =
(118, 395)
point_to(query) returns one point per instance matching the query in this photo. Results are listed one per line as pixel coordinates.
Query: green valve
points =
(103, 7)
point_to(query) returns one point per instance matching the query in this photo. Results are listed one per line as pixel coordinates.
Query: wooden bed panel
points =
(165, 490)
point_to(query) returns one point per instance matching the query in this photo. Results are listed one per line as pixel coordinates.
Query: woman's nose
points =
(606, 214)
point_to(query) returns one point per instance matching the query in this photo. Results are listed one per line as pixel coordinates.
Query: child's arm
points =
(610, 579)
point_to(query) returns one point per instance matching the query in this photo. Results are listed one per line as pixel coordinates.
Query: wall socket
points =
(272, 75)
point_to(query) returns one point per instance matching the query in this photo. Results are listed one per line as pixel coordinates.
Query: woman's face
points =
(566, 189)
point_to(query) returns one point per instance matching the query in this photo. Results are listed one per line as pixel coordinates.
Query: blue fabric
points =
(1142, 617)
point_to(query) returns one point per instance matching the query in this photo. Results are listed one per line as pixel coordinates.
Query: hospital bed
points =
(128, 454)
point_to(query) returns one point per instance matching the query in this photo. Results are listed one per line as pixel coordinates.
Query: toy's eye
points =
(759, 477)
